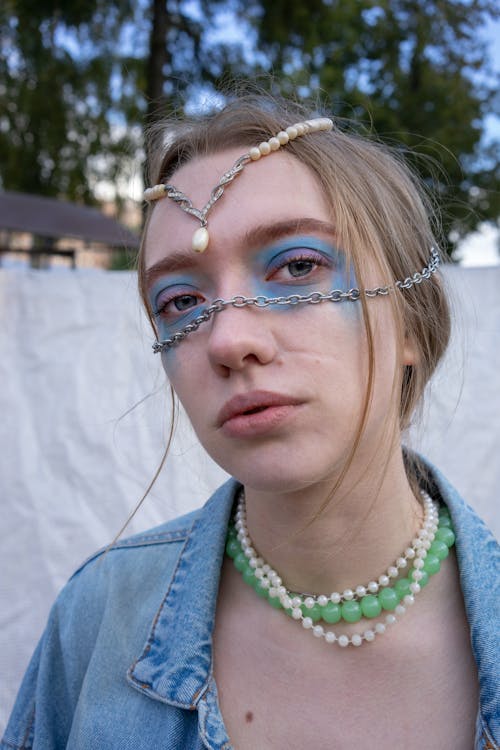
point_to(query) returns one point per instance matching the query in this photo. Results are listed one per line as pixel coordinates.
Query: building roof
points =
(49, 217)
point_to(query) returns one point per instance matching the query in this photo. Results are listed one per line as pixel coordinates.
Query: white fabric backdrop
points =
(75, 357)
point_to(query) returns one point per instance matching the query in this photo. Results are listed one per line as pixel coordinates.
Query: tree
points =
(415, 71)
(58, 104)
(81, 77)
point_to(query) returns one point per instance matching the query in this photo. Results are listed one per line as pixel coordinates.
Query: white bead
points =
(417, 543)
(296, 601)
(283, 137)
(282, 590)
(266, 568)
(373, 587)
(253, 562)
(200, 239)
(390, 619)
(322, 600)
(369, 635)
(274, 144)
(409, 599)
(356, 639)
(380, 627)
(273, 593)
(254, 153)
(286, 602)
(264, 148)
(417, 575)
(309, 602)
(384, 580)
(410, 552)
(400, 610)
(296, 613)
(347, 595)
(343, 641)
(301, 128)
(330, 637)
(414, 588)
(275, 580)
(418, 563)
(258, 573)
(335, 597)
(292, 132)
(248, 552)
(392, 572)
(264, 583)
(318, 631)
(422, 552)
(307, 623)
(360, 591)
(401, 562)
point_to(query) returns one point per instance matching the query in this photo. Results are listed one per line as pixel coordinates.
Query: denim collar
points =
(175, 666)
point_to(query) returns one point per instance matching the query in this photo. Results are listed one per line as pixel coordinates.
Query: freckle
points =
(248, 717)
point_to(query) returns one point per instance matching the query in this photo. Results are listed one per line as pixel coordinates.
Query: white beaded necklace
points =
(271, 580)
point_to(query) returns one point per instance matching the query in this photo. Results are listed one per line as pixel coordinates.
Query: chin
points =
(274, 476)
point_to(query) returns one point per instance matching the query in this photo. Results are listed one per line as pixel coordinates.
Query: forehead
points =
(276, 190)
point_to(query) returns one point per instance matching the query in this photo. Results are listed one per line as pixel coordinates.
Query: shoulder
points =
(149, 556)
(478, 558)
(166, 538)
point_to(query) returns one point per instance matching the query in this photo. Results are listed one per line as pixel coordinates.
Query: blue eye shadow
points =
(271, 258)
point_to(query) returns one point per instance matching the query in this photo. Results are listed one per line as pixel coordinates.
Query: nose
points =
(240, 337)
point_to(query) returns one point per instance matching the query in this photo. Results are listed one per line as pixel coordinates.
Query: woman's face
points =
(274, 394)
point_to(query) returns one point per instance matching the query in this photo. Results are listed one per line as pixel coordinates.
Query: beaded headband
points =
(200, 237)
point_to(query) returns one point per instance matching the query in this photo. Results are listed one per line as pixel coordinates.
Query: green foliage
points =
(57, 63)
(80, 78)
(414, 71)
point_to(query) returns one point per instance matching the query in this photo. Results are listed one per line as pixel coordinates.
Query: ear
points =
(410, 351)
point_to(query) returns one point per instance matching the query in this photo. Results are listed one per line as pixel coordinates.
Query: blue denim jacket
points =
(126, 658)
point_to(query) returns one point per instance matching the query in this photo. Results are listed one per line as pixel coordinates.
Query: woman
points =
(289, 272)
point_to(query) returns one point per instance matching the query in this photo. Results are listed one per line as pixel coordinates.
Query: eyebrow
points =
(260, 234)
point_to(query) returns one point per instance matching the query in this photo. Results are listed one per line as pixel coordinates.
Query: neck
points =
(361, 530)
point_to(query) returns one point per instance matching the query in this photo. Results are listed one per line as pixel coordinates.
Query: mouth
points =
(251, 413)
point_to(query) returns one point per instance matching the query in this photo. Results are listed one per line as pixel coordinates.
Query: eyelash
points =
(309, 256)
(162, 308)
(305, 256)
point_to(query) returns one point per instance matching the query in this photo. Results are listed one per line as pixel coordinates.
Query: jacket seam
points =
(144, 541)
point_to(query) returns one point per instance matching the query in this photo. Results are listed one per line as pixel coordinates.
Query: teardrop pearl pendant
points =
(200, 239)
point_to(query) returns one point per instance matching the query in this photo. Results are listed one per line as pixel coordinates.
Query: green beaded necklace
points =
(430, 547)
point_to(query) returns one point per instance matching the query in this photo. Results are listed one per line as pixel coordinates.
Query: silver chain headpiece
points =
(314, 298)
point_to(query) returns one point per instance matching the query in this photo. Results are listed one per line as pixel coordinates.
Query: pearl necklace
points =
(427, 549)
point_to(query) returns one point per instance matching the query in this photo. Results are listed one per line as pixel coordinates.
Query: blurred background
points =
(84, 408)
(81, 79)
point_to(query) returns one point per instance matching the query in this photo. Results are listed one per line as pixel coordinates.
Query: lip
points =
(256, 412)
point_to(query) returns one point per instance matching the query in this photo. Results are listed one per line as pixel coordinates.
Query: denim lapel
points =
(176, 663)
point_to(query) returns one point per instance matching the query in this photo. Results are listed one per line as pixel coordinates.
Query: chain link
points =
(201, 213)
(314, 298)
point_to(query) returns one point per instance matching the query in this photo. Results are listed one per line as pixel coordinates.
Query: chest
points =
(280, 688)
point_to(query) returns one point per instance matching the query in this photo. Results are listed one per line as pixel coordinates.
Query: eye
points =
(298, 263)
(170, 306)
(299, 268)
